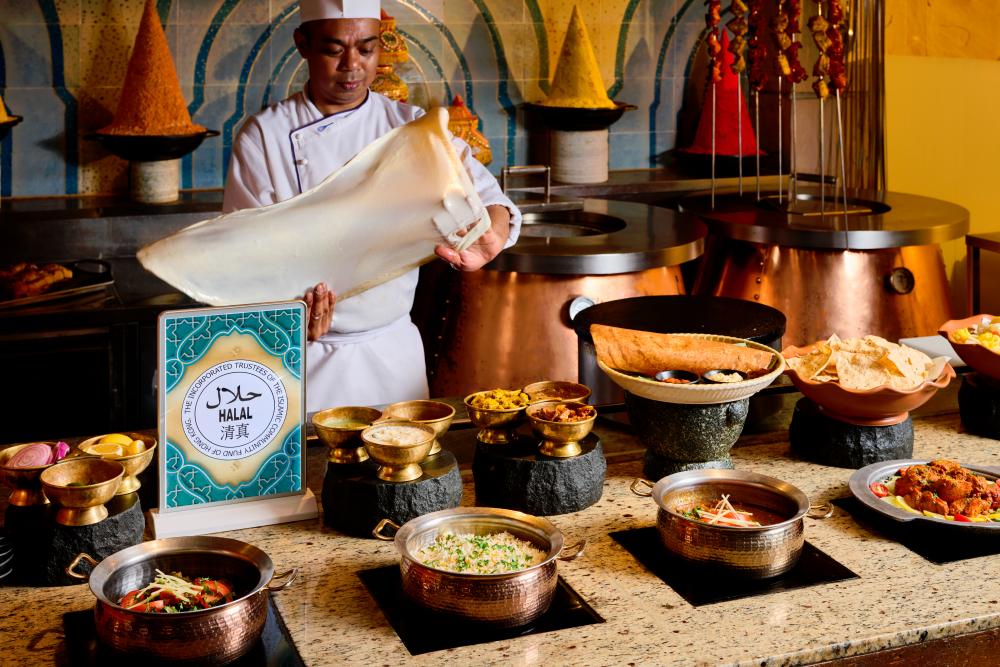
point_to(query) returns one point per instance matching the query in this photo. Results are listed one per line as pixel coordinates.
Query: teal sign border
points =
(185, 337)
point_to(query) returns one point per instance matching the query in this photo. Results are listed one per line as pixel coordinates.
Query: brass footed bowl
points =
(344, 439)
(80, 487)
(496, 427)
(557, 390)
(134, 463)
(560, 439)
(435, 414)
(25, 483)
(213, 636)
(398, 462)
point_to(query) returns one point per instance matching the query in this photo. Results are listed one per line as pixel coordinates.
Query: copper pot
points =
(752, 553)
(503, 600)
(214, 636)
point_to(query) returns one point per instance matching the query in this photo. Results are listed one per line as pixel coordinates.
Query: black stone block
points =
(979, 405)
(517, 477)
(657, 467)
(819, 438)
(691, 433)
(43, 548)
(355, 500)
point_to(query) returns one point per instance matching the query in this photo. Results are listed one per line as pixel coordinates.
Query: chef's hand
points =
(483, 250)
(319, 310)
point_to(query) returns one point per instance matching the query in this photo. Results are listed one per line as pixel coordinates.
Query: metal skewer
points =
(843, 170)
(713, 145)
(822, 161)
(781, 132)
(739, 130)
(756, 136)
(793, 186)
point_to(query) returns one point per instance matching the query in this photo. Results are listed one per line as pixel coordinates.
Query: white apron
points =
(372, 354)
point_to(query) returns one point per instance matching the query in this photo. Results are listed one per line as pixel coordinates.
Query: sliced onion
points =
(60, 450)
(31, 456)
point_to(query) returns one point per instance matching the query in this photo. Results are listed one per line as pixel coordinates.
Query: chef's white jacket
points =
(373, 353)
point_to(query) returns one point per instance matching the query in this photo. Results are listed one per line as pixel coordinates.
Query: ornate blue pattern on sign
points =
(189, 484)
(188, 338)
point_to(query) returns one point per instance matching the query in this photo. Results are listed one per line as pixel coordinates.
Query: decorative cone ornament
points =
(465, 125)
(151, 103)
(393, 52)
(726, 122)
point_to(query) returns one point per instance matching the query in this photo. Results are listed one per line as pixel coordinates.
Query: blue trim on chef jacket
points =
(291, 141)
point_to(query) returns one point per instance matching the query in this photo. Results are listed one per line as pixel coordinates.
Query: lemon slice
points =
(104, 449)
(135, 447)
(116, 438)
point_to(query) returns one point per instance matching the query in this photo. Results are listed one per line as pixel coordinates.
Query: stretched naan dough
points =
(375, 218)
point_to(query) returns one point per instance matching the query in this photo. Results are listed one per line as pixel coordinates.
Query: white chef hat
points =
(314, 10)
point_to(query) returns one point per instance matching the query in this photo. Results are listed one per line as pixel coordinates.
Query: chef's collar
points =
(316, 114)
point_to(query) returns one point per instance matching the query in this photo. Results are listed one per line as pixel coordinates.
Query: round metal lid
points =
(874, 219)
(604, 237)
(723, 316)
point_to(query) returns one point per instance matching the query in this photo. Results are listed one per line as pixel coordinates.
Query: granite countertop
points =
(899, 598)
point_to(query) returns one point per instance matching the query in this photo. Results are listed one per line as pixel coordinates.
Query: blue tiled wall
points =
(62, 61)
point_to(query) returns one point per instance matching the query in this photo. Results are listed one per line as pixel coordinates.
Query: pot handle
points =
(820, 511)
(377, 531)
(288, 576)
(574, 551)
(71, 568)
(634, 487)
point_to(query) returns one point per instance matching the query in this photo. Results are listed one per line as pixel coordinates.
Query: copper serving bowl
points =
(133, 463)
(976, 356)
(560, 439)
(435, 414)
(25, 483)
(496, 427)
(80, 487)
(749, 553)
(553, 390)
(398, 463)
(879, 406)
(502, 600)
(344, 441)
(213, 636)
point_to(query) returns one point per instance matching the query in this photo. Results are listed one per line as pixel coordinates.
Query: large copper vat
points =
(876, 270)
(509, 324)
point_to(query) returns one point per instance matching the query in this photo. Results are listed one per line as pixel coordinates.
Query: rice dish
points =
(468, 553)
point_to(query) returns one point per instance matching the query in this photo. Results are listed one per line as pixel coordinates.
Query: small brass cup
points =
(398, 463)
(80, 487)
(557, 390)
(344, 438)
(25, 483)
(560, 439)
(496, 427)
(134, 463)
(435, 414)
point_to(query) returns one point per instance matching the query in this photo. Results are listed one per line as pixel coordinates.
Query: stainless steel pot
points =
(214, 636)
(751, 553)
(504, 600)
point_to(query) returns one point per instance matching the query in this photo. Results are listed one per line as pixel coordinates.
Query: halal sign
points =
(234, 409)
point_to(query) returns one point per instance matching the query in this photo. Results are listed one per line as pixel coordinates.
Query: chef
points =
(367, 351)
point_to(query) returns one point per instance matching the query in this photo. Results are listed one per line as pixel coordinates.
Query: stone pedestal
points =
(682, 437)
(517, 477)
(821, 439)
(154, 182)
(355, 500)
(580, 156)
(979, 405)
(43, 548)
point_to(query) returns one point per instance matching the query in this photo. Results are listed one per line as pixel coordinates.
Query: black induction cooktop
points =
(423, 631)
